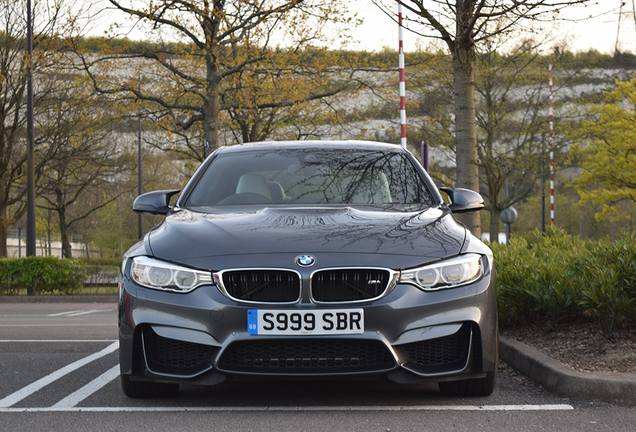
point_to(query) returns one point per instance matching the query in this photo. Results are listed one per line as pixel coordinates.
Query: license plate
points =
(314, 322)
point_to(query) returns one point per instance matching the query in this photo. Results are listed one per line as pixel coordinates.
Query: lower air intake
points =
(303, 356)
(444, 354)
(170, 356)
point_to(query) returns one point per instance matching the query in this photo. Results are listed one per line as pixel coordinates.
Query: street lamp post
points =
(30, 228)
(139, 178)
(20, 238)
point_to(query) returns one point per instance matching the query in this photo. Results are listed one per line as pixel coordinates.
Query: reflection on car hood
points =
(336, 236)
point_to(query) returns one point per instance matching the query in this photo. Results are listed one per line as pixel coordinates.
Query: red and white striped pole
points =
(551, 152)
(402, 86)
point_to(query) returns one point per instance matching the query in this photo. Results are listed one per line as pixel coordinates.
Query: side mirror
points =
(154, 203)
(463, 200)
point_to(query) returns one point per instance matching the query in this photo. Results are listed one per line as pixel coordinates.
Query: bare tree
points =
(463, 25)
(196, 77)
(80, 176)
(511, 95)
(50, 21)
(511, 91)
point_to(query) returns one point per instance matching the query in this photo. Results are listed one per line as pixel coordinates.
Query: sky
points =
(598, 32)
(581, 31)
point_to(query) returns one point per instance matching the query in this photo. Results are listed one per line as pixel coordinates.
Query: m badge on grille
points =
(305, 260)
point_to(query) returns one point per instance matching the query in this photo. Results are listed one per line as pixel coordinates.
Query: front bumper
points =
(409, 335)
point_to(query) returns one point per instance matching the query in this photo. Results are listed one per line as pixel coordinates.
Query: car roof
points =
(313, 144)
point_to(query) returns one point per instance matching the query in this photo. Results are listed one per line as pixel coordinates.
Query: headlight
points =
(156, 274)
(445, 274)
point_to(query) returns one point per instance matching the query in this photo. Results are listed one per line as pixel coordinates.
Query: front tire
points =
(470, 387)
(147, 389)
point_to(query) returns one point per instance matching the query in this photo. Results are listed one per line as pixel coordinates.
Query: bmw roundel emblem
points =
(305, 260)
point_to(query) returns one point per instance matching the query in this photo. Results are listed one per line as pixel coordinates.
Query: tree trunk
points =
(494, 223)
(467, 169)
(212, 103)
(211, 118)
(66, 244)
(3, 231)
(61, 213)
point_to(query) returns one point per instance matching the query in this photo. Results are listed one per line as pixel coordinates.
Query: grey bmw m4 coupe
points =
(308, 259)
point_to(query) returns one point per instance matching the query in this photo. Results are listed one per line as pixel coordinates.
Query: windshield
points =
(310, 176)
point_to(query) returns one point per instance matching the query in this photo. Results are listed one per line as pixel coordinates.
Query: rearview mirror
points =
(463, 200)
(154, 203)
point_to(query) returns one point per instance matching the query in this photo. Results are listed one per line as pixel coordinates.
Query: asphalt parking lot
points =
(59, 369)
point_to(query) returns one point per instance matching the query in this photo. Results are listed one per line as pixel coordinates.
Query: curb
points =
(560, 379)
(75, 298)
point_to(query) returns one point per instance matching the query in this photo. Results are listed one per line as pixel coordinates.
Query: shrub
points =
(100, 261)
(603, 278)
(531, 279)
(624, 252)
(44, 274)
(555, 275)
(100, 271)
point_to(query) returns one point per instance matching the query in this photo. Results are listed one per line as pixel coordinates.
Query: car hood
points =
(335, 236)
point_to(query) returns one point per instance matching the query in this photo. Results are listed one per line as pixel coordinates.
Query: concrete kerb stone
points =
(562, 380)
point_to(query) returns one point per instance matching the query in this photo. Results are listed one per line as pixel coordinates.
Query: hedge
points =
(552, 276)
(100, 261)
(100, 271)
(44, 274)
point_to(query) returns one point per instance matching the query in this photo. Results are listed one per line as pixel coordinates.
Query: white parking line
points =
(301, 408)
(24, 392)
(90, 388)
(64, 313)
(86, 312)
(77, 312)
